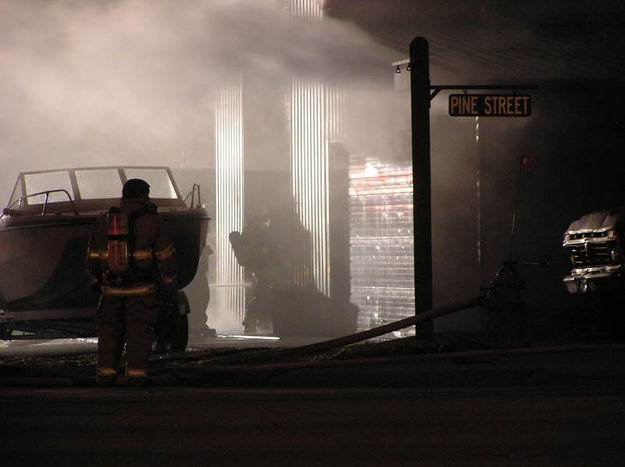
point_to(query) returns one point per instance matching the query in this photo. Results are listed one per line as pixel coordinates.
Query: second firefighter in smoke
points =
(265, 262)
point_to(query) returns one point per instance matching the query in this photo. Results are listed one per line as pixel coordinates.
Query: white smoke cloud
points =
(131, 81)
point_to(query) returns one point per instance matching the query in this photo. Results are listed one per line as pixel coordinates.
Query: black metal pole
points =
(422, 210)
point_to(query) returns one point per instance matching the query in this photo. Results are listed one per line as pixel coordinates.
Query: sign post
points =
(466, 105)
(421, 189)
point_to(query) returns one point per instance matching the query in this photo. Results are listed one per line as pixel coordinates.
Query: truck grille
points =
(589, 234)
(590, 254)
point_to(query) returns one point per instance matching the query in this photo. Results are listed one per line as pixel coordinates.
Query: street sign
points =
(489, 105)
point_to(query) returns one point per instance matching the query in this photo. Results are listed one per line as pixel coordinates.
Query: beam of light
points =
(314, 124)
(242, 284)
(381, 242)
(478, 196)
(306, 8)
(68, 341)
(228, 302)
(247, 337)
(314, 110)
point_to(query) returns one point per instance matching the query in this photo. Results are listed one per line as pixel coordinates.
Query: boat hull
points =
(43, 259)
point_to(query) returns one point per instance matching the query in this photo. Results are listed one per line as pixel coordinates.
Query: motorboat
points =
(44, 230)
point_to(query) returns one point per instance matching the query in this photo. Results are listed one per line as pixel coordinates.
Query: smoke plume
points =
(132, 81)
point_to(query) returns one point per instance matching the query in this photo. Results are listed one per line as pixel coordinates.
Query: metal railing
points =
(196, 188)
(10, 211)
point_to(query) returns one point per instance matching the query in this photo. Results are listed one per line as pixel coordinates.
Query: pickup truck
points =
(594, 246)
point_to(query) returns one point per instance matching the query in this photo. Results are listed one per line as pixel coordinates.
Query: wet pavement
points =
(505, 426)
(379, 403)
(49, 347)
(243, 361)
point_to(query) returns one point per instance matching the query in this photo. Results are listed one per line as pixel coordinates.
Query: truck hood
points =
(607, 218)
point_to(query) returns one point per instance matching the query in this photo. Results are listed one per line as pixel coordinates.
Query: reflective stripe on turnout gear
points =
(137, 254)
(136, 373)
(106, 371)
(142, 254)
(96, 254)
(129, 291)
(168, 280)
(165, 252)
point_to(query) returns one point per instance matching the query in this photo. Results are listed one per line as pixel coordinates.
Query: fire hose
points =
(351, 338)
(261, 367)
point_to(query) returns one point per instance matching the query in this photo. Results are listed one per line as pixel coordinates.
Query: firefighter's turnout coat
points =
(261, 256)
(130, 258)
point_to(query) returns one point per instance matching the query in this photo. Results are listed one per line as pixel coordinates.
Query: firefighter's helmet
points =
(259, 216)
(135, 188)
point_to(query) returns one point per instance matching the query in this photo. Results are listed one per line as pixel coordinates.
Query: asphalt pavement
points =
(372, 404)
(247, 362)
(321, 427)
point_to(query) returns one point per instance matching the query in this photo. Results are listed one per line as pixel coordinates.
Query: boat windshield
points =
(158, 179)
(40, 182)
(99, 183)
(90, 183)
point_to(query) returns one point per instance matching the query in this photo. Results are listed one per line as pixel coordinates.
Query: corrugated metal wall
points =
(306, 8)
(228, 297)
(314, 112)
(314, 123)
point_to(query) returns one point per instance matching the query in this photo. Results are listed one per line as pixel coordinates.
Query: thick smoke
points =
(132, 81)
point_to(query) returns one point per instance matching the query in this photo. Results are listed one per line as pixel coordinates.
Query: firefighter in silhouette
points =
(260, 256)
(130, 258)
